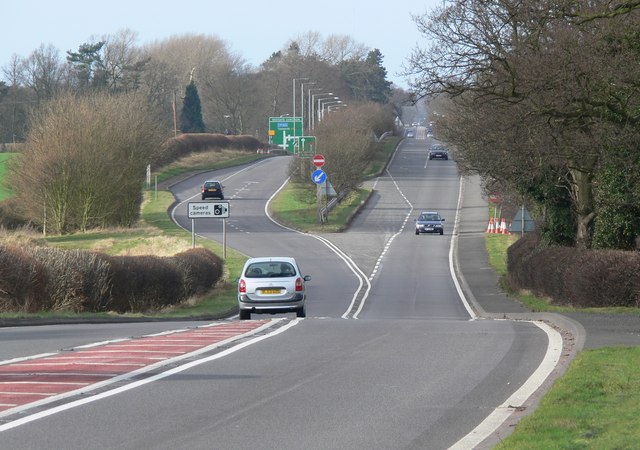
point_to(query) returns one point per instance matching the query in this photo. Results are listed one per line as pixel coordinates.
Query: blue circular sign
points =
(319, 176)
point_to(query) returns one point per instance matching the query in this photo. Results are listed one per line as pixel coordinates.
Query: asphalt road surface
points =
(390, 356)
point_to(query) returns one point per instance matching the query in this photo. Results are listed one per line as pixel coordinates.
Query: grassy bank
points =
(595, 404)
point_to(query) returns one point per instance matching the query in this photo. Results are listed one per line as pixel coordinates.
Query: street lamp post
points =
(335, 107)
(310, 107)
(325, 103)
(317, 108)
(302, 102)
(294, 102)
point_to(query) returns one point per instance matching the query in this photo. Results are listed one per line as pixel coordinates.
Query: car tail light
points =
(242, 286)
(299, 285)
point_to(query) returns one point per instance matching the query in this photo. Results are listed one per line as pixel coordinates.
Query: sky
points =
(253, 29)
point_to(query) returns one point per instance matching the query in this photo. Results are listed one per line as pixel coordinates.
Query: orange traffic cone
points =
(503, 227)
(490, 226)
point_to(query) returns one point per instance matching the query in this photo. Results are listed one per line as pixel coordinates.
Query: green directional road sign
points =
(282, 131)
(302, 145)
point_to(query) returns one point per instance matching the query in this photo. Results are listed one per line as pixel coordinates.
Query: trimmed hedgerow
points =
(185, 144)
(573, 277)
(37, 279)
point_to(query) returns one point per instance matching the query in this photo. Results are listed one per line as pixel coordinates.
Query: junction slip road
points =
(392, 355)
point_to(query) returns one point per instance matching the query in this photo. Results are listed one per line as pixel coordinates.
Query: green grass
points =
(4, 191)
(296, 206)
(595, 405)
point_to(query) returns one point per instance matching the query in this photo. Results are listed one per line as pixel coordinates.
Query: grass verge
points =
(595, 404)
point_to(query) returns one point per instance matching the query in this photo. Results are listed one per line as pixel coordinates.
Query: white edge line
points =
(173, 210)
(494, 420)
(452, 251)
(135, 384)
(362, 278)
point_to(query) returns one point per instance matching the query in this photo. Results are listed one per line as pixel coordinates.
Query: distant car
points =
(212, 189)
(429, 222)
(438, 152)
(410, 134)
(271, 285)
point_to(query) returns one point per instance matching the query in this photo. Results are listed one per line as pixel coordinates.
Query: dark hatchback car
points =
(438, 152)
(429, 222)
(212, 189)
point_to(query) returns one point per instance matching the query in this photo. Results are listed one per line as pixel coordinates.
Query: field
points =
(4, 157)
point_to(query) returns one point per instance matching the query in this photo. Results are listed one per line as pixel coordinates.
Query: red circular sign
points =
(318, 160)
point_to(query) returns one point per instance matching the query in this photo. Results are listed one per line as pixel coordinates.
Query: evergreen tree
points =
(88, 66)
(191, 115)
(367, 77)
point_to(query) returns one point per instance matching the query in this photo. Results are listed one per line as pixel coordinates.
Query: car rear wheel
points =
(301, 312)
(441, 233)
(417, 232)
(245, 314)
(203, 197)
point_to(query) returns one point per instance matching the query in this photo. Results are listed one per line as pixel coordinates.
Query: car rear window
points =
(211, 185)
(270, 269)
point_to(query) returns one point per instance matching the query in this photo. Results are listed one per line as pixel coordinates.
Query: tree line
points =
(542, 98)
(92, 123)
(236, 97)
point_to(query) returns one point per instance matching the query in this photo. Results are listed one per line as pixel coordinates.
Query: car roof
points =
(271, 258)
(212, 181)
(430, 212)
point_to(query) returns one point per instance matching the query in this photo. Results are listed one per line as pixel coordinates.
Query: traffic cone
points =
(490, 225)
(496, 228)
(505, 229)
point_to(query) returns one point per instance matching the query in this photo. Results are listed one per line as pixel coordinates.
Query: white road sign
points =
(208, 210)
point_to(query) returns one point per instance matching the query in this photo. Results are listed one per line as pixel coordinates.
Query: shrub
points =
(569, 276)
(22, 281)
(76, 281)
(144, 283)
(185, 144)
(9, 217)
(201, 270)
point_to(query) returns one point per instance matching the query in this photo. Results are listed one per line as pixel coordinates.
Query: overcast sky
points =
(254, 29)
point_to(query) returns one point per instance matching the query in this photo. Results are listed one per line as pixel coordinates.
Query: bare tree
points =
(43, 72)
(84, 162)
(346, 139)
(569, 81)
(123, 61)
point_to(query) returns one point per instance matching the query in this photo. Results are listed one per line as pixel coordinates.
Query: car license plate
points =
(429, 228)
(212, 190)
(270, 291)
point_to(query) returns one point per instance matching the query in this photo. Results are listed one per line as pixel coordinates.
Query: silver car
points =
(271, 285)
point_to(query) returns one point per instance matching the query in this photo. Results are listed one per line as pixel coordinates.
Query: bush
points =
(77, 281)
(602, 278)
(50, 279)
(9, 217)
(185, 144)
(144, 283)
(201, 270)
(22, 281)
(569, 276)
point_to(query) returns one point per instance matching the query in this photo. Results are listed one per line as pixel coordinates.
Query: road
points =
(390, 355)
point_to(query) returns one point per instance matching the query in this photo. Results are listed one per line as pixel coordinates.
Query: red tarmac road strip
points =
(31, 382)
